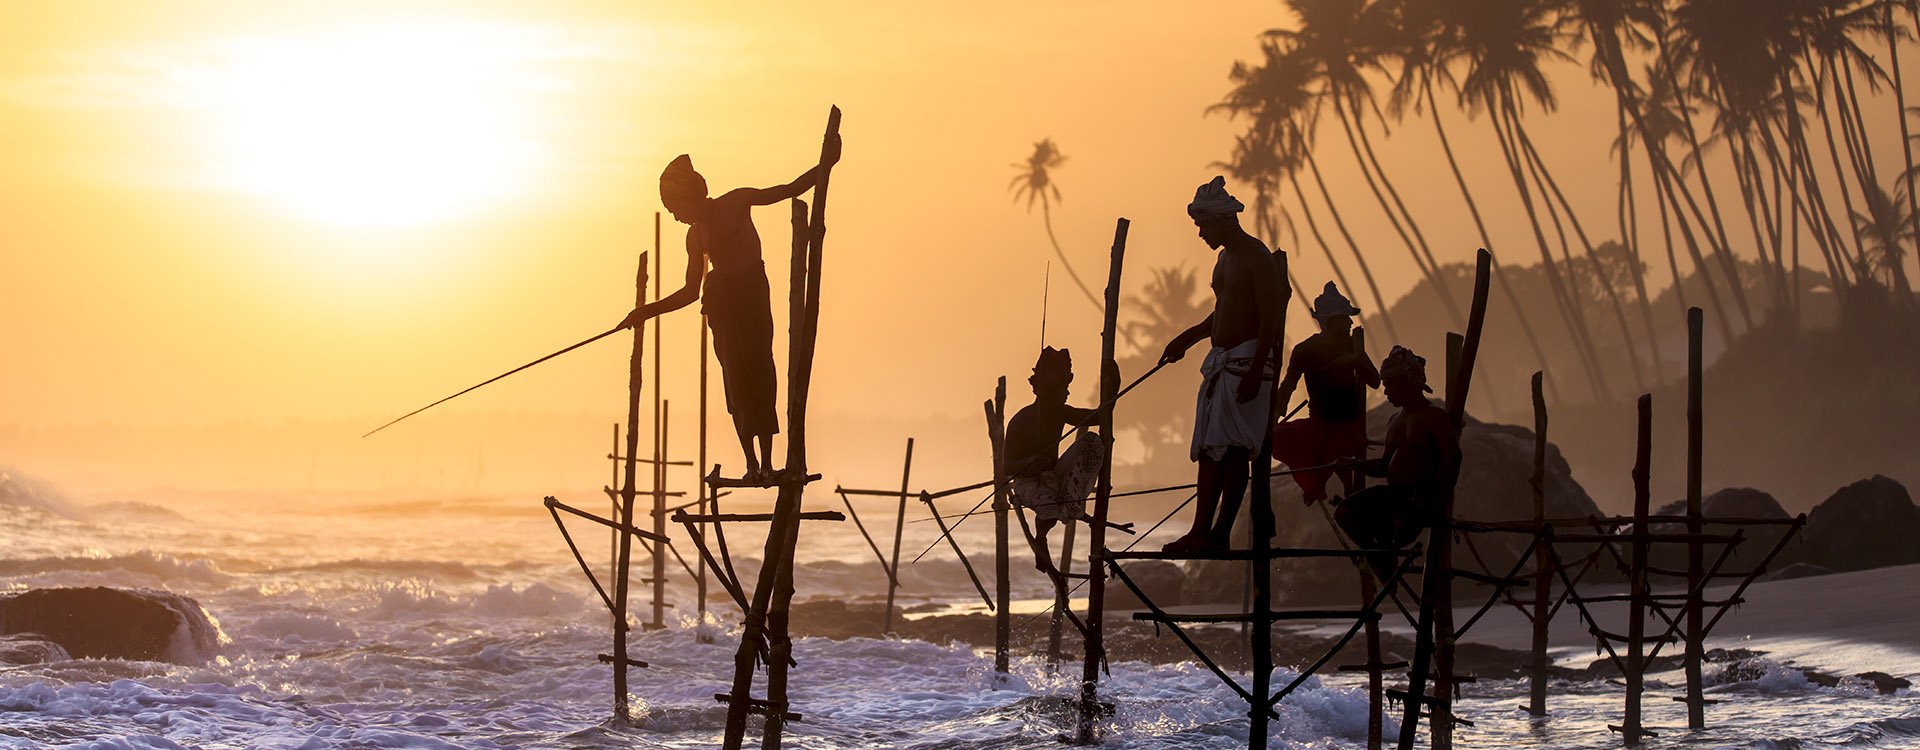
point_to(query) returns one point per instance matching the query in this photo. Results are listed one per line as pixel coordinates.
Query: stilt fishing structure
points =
(891, 566)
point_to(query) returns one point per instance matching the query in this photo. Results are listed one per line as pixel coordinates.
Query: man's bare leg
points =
(1234, 470)
(753, 461)
(1209, 497)
(766, 454)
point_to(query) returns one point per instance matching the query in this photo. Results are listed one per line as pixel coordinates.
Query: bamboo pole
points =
(629, 472)
(1636, 666)
(1696, 632)
(659, 620)
(899, 528)
(1103, 491)
(1002, 566)
(1542, 570)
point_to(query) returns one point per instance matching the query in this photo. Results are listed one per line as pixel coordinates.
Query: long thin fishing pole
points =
(595, 337)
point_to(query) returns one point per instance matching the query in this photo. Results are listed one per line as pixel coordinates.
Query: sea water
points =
(466, 623)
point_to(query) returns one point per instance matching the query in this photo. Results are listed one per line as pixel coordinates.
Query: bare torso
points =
(1239, 275)
(1422, 450)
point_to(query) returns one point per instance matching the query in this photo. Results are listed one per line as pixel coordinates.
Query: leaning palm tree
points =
(1035, 183)
(1503, 53)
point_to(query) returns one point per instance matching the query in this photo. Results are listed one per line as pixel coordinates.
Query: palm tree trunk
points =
(1393, 219)
(1739, 152)
(1439, 280)
(1366, 272)
(1669, 184)
(1046, 216)
(1486, 240)
(1900, 104)
(1860, 122)
(1666, 232)
(1819, 216)
(1718, 234)
(1839, 172)
(1630, 239)
(1498, 111)
(1593, 258)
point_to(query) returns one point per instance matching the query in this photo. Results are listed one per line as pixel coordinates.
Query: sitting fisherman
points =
(1421, 462)
(734, 295)
(1337, 376)
(1054, 487)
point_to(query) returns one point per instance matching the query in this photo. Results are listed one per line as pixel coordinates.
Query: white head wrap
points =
(1212, 202)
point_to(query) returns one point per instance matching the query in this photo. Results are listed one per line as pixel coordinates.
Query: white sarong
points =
(1221, 421)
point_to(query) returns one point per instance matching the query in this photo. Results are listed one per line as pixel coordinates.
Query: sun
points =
(375, 127)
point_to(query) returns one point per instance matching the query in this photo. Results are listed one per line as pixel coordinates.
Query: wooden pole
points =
(1369, 590)
(1542, 558)
(1064, 566)
(1260, 514)
(899, 528)
(1696, 630)
(628, 491)
(613, 500)
(700, 578)
(1002, 566)
(1103, 492)
(659, 454)
(1637, 576)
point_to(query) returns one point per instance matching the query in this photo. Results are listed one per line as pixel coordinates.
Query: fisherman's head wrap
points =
(1054, 366)
(1211, 203)
(1331, 303)
(1403, 366)
(680, 183)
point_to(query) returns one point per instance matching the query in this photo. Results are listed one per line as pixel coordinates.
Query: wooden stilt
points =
(628, 491)
(1369, 590)
(1632, 729)
(1696, 630)
(659, 619)
(1260, 514)
(899, 528)
(1002, 566)
(1061, 608)
(1542, 566)
(705, 505)
(1103, 492)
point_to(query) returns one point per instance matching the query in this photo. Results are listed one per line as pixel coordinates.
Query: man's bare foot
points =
(754, 474)
(1193, 541)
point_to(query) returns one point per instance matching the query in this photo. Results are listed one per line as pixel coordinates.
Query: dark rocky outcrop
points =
(104, 623)
(1733, 502)
(1871, 523)
(1497, 462)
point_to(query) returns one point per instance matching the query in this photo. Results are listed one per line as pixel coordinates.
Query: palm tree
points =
(1035, 182)
(1887, 228)
(1503, 51)
(1341, 41)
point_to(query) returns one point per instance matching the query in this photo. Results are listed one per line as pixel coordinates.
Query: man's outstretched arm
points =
(791, 190)
(685, 295)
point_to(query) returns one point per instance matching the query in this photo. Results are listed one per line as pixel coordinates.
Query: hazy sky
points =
(221, 212)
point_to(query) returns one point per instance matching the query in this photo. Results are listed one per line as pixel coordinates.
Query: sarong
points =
(1221, 421)
(737, 308)
(1060, 493)
(1313, 441)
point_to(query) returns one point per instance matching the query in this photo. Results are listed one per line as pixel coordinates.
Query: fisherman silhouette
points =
(1053, 486)
(1234, 409)
(1337, 378)
(1420, 463)
(734, 294)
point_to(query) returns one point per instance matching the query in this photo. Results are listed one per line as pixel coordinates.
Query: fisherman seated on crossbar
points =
(1337, 376)
(1054, 487)
(1420, 463)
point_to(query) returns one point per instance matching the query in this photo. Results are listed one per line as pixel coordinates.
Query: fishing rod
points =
(1133, 493)
(589, 340)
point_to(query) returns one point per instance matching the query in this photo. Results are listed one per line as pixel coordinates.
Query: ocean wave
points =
(25, 491)
(415, 597)
(157, 565)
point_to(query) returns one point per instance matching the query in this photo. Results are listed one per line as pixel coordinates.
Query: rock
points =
(1161, 581)
(30, 648)
(1496, 465)
(1887, 684)
(1868, 524)
(1797, 570)
(1733, 502)
(104, 623)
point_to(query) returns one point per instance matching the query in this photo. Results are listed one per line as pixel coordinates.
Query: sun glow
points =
(384, 127)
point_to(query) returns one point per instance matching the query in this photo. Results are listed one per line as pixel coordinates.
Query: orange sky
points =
(166, 265)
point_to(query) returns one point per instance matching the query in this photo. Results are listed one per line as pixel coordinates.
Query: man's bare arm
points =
(1178, 347)
(806, 181)
(1270, 299)
(685, 295)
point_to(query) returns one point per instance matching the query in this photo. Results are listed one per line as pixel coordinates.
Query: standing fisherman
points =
(1234, 409)
(1337, 378)
(734, 295)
